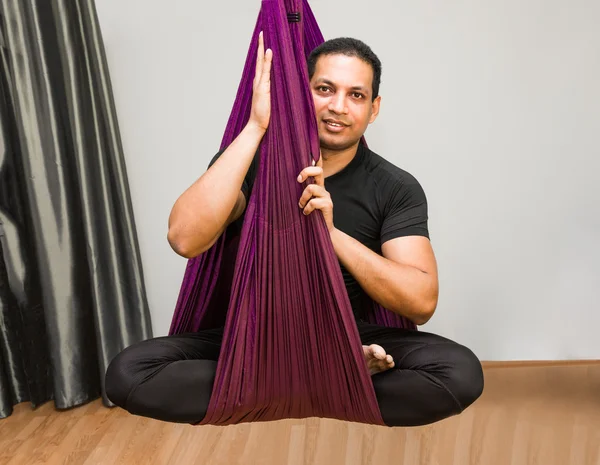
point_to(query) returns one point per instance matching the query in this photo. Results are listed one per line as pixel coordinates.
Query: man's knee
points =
(116, 382)
(121, 376)
(465, 379)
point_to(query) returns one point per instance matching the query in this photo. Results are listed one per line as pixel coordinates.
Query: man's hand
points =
(260, 113)
(315, 197)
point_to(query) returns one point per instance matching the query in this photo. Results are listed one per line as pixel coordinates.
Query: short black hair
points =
(349, 47)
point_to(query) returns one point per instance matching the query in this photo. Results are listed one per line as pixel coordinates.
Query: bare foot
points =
(376, 358)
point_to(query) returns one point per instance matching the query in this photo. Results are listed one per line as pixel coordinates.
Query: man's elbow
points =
(423, 318)
(429, 302)
(179, 247)
(426, 311)
(184, 247)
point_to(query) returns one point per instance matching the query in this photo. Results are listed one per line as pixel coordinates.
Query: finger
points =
(316, 204)
(311, 191)
(266, 71)
(260, 54)
(305, 197)
(308, 172)
(320, 179)
(389, 359)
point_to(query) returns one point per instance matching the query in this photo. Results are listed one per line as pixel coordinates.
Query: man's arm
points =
(215, 200)
(403, 280)
(207, 207)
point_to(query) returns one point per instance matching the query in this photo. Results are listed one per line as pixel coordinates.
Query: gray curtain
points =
(71, 285)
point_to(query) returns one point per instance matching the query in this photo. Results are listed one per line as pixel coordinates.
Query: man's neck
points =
(335, 161)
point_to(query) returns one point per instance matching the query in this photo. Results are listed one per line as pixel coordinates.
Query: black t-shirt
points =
(374, 201)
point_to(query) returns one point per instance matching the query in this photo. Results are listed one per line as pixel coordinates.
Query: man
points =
(379, 233)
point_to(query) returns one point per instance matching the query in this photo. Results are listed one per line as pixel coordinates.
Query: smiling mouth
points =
(334, 124)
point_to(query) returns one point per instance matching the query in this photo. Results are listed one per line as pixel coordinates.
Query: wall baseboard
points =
(537, 363)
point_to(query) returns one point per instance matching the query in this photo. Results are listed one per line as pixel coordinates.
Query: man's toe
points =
(378, 351)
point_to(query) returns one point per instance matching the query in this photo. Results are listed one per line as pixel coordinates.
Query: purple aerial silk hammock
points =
(290, 348)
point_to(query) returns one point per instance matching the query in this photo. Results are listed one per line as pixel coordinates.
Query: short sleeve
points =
(406, 211)
(248, 183)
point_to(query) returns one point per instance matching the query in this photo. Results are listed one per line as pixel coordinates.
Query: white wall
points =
(493, 106)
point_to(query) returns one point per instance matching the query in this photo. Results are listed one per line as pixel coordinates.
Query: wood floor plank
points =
(36, 448)
(115, 440)
(354, 446)
(82, 439)
(297, 444)
(187, 437)
(172, 436)
(139, 441)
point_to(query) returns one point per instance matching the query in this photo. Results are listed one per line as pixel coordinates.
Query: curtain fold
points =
(71, 284)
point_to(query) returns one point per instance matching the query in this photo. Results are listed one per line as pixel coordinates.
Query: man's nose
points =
(337, 104)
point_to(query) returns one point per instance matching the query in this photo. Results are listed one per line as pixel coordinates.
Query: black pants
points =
(170, 378)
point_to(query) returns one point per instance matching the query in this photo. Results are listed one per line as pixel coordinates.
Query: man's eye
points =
(357, 95)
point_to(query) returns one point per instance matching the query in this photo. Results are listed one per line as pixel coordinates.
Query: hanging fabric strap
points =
(290, 348)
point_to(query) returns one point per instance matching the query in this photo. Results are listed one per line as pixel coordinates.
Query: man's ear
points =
(375, 109)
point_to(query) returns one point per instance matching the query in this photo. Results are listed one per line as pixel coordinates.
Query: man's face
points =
(342, 89)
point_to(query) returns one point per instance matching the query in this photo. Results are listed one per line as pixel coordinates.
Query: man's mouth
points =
(333, 124)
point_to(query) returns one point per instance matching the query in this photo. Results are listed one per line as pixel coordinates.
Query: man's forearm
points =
(202, 212)
(400, 288)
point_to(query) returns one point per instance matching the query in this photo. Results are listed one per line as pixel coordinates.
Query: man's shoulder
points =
(385, 172)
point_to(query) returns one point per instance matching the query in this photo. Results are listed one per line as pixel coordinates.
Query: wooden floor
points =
(527, 415)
